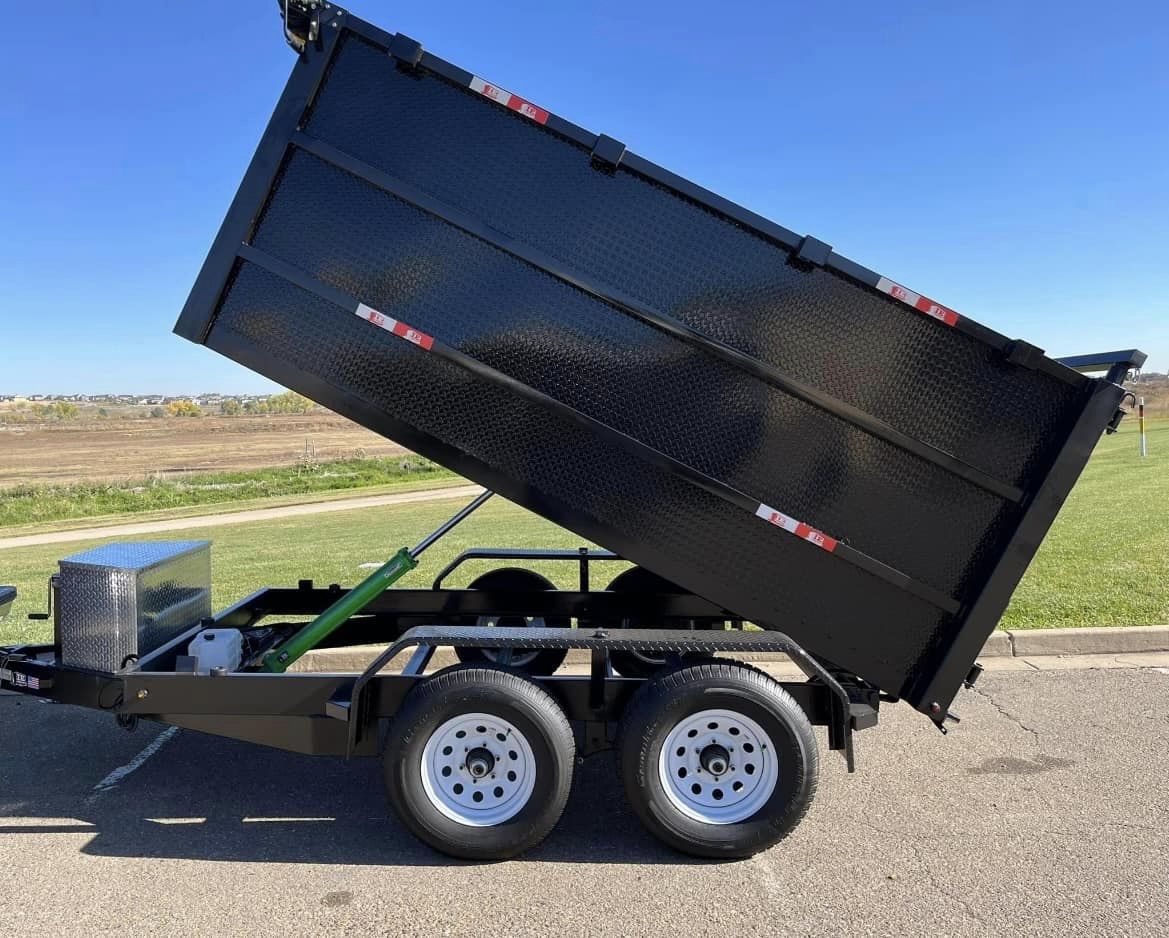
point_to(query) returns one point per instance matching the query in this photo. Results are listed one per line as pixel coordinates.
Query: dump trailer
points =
(787, 451)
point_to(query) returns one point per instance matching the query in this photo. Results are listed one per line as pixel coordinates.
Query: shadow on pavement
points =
(205, 798)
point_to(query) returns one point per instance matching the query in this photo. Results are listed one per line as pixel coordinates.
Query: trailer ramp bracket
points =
(407, 51)
(814, 251)
(1025, 355)
(607, 152)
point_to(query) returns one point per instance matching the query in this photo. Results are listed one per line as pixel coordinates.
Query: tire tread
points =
(654, 693)
(474, 679)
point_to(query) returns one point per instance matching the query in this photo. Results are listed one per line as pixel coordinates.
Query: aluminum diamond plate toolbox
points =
(738, 408)
(128, 599)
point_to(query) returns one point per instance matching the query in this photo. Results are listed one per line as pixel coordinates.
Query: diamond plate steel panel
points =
(128, 599)
(680, 257)
(686, 534)
(512, 180)
(697, 642)
(689, 405)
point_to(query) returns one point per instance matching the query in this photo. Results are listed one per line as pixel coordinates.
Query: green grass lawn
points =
(1106, 561)
(41, 504)
(329, 548)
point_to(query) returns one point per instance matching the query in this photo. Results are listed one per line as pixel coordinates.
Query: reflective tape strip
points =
(507, 99)
(400, 329)
(798, 528)
(921, 303)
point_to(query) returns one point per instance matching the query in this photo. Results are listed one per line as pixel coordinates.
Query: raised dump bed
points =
(741, 410)
(788, 437)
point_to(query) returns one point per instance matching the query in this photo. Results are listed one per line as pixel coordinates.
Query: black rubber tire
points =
(639, 580)
(469, 689)
(661, 703)
(519, 580)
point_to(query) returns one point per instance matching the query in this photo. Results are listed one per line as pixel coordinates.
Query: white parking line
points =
(118, 774)
(177, 820)
(287, 820)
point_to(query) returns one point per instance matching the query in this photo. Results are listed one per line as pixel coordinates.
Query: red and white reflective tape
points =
(400, 329)
(798, 528)
(507, 99)
(921, 303)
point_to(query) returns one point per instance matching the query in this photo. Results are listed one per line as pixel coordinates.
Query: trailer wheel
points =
(479, 763)
(639, 663)
(717, 759)
(541, 661)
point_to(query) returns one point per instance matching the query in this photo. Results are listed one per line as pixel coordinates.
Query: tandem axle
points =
(738, 774)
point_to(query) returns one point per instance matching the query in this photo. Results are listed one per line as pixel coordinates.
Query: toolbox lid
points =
(134, 555)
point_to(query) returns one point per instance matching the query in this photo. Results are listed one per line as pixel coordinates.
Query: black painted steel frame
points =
(1116, 364)
(977, 616)
(592, 606)
(583, 556)
(339, 714)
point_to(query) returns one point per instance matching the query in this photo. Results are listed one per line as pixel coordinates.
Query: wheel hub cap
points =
(718, 766)
(478, 769)
(715, 759)
(480, 762)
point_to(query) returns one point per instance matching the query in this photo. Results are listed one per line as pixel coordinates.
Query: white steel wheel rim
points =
(519, 659)
(454, 755)
(750, 768)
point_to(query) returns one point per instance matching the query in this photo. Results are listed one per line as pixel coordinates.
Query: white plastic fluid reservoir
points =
(217, 648)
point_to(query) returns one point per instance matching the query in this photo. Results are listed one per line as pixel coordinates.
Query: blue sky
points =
(1008, 159)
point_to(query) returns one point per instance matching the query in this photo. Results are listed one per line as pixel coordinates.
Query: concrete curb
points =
(1090, 641)
(1013, 643)
(998, 646)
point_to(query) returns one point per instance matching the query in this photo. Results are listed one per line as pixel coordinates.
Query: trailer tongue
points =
(770, 431)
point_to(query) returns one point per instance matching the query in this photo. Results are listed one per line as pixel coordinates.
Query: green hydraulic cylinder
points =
(279, 659)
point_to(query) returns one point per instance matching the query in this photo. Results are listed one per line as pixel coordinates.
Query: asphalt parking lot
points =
(1045, 812)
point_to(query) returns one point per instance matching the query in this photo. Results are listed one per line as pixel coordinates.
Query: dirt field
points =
(121, 449)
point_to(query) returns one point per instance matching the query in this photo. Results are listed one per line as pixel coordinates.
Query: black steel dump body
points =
(735, 407)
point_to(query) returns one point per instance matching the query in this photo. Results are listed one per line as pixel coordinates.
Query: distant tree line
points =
(57, 410)
(287, 403)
